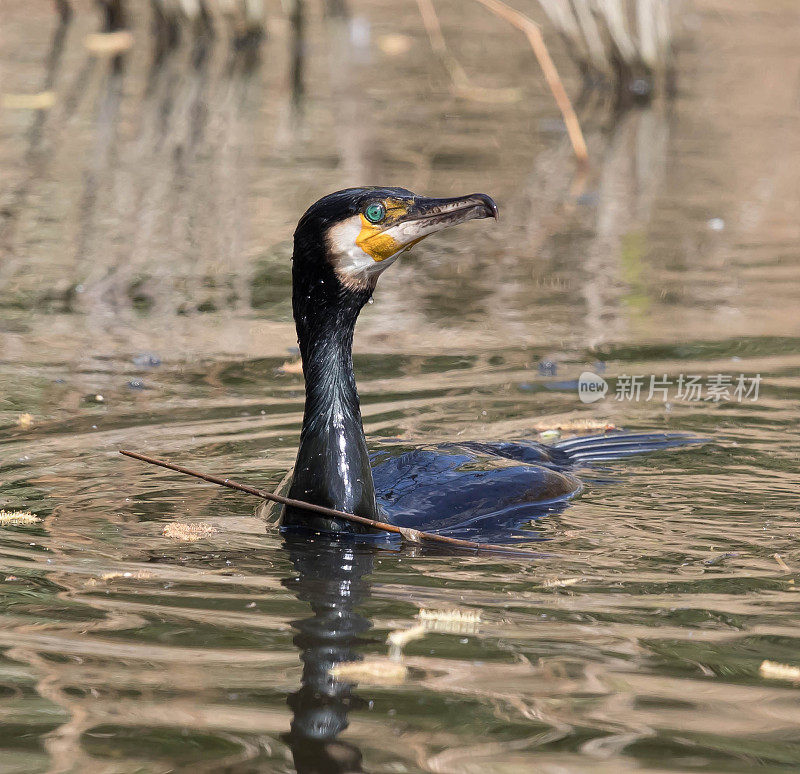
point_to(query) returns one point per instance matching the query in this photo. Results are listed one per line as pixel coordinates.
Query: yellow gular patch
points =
(374, 239)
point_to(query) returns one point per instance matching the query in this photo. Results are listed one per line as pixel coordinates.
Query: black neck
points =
(332, 467)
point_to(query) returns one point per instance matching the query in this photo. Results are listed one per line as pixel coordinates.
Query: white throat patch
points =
(353, 266)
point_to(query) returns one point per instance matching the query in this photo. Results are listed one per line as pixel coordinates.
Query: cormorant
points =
(342, 244)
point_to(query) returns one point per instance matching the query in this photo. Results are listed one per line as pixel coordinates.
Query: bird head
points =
(353, 235)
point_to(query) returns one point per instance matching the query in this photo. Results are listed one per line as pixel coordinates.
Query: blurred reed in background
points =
(159, 168)
(620, 44)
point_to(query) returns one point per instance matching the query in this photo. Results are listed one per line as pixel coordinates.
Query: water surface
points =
(146, 236)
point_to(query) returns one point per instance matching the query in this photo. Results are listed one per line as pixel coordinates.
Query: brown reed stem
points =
(535, 38)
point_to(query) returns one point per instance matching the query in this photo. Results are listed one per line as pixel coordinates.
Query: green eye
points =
(375, 212)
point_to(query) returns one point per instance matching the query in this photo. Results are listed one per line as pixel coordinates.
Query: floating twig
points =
(412, 535)
(536, 39)
(573, 424)
(779, 559)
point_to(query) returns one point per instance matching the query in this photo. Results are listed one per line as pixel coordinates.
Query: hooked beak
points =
(427, 216)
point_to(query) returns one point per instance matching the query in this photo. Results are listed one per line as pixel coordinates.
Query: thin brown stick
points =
(535, 38)
(412, 535)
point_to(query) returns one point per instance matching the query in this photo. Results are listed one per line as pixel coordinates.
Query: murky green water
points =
(147, 219)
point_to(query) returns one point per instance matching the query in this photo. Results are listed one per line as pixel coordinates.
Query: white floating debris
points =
(188, 533)
(556, 583)
(18, 517)
(394, 44)
(776, 671)
(108, 43)
(450, 621)
(378, 670)
(25, 421)
(39, 101)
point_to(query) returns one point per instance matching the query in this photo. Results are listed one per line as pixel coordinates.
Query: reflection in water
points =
(297, 20)
(331, 578)
(184, 154)
(35, 156)
(627, 186)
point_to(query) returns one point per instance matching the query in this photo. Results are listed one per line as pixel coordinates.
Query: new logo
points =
(591, 387)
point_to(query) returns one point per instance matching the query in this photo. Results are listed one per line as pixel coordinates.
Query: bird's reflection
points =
(332, 578)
